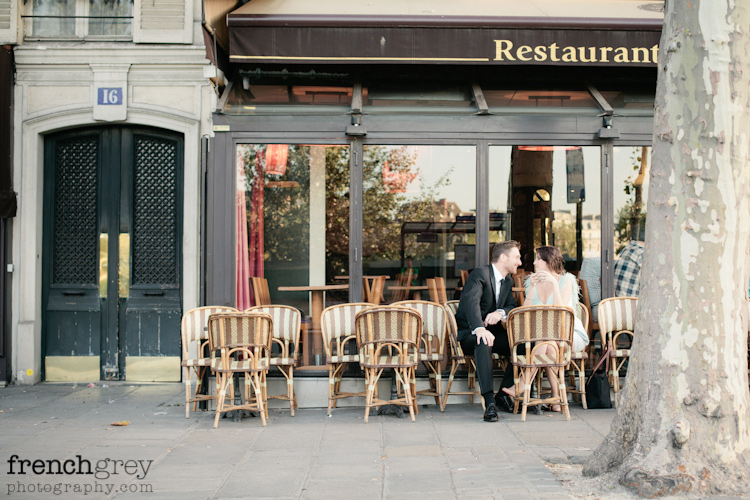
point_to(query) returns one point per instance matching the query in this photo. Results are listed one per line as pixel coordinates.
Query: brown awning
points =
(274, 32)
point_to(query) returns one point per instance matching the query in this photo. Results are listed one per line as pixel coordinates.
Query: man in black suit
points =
(486, 300)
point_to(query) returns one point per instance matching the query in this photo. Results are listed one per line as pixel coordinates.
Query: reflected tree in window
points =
(630, 222)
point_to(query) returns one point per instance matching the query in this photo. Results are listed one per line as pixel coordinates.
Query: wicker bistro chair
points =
(286, 328)
(431, 345)
(388, 337)
(194, 330)
(616, 319)
(532, 327)
(578, 361)
(340, 343)
(243, 342)
(458, 359)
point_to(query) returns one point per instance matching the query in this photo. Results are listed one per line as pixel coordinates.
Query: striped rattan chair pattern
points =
(388, 337)
(243, 342)
(194, 330)
(287, 321)
(432, 344)
(261, 295)
(531, 327)
(578, 361)
(617, 319)
(458, 359)
(340, 343)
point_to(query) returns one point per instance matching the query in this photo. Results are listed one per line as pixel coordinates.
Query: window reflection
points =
(548, 195)
(631, 173)
(419, 212)
(293, 219)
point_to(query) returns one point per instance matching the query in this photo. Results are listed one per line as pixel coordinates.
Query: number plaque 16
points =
(107, 96)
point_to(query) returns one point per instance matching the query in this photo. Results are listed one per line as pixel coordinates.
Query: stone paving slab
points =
(443, 455)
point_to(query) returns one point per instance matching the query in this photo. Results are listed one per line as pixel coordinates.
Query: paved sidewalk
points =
(450, 455)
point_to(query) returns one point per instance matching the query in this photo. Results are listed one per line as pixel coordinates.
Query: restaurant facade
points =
(310, 144)
(356, 141)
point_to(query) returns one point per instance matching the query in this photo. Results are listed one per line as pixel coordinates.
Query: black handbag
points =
(597, 385)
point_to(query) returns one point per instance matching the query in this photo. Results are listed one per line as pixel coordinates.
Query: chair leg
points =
(220, 394)
(408, 393)
(187, 392)
(290, 390)
(582, 381)
(337, 386)
(454, 367)
(369, 380)
(563, 393)
(264, 391)
(614, 375)
(471, 380)
(331, 387)
(198, 385)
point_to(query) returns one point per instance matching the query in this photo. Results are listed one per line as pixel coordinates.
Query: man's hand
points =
(483, 334)
(494, 317)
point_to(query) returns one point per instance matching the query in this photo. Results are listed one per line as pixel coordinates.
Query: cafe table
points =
(317, 304)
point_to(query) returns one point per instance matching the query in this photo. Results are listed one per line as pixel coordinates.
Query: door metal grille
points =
(75, 240)
(155, 217)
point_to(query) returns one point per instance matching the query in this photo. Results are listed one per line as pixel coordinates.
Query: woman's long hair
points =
(553, 257)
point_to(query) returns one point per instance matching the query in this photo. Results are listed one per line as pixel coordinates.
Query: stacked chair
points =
(240, 343)
(340, 343)
(431, 344)
(388, 337)
(285, 337)
(195, 356)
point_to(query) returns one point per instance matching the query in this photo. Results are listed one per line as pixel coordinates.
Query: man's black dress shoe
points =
(490, 413)
(504, 402)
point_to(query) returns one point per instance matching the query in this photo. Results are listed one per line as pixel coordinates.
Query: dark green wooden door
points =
(112, 254)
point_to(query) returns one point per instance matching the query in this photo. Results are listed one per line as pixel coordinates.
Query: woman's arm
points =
(563, 291)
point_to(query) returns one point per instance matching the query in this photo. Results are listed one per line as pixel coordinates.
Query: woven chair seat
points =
(389, 361)
(620, 353)
(579, 355)
(283, 361)
(196, 362)
(244, 365)
(346, 358)
(430, 357)
(549, 360)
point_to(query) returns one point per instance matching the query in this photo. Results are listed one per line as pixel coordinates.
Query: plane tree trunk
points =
(683, 423)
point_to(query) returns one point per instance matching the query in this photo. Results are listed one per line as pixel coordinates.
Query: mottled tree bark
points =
(683, 422)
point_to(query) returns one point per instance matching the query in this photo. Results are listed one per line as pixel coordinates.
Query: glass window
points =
(81, 19)
(547, 195)
(293, 224)
(419, 212)
(631, 175)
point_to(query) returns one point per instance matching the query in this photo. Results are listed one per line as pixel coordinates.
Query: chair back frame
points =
(261, 294)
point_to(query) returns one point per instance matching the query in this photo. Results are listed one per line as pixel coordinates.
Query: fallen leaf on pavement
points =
(121, 423)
